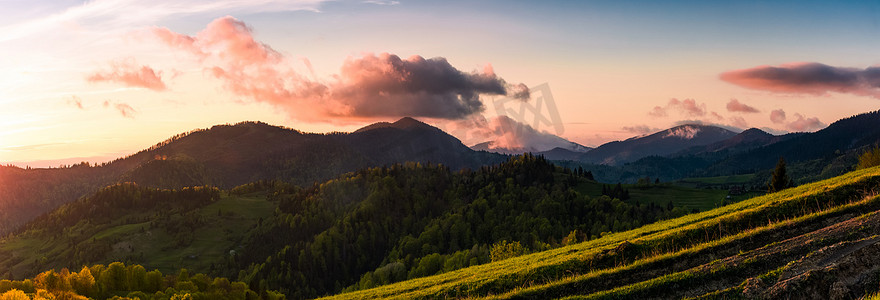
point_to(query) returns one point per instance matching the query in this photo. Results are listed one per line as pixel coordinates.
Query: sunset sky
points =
(96, 80)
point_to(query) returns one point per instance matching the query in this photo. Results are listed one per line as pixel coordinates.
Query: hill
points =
(841, 137)
(560, 146)
(229, 155)
(749, 139)
(662, 143)
(361, 229)
(560, 154)
(812, 156)
(816, 241)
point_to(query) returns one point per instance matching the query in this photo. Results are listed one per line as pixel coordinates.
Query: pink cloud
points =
(716, 116)
(808, 78)
(367, 87)
(777, 116)
(686, 107)
(76, 102)
(658, 112)
(802, 123)
(129, 74)
(640, 129)
(125, 109)
(738, 121)
(504, 132)
(735, 106)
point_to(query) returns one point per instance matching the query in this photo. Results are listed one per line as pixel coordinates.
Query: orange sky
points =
(101, 79)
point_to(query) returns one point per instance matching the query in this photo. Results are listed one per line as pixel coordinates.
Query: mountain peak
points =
(755, 132)
(405, 123)
(408, 123)
(687, 131)
(662, 143)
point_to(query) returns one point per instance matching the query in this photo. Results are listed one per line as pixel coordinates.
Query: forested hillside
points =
(816, 241)
(382, 225)
(229, 155)
(365, 228)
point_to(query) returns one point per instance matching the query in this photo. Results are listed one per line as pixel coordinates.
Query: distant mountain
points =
(662, 143)
(561, 154)
(514, 137)
(411, 140)
(563, 147)
(823, 146)
(231, 155)
(749, 139)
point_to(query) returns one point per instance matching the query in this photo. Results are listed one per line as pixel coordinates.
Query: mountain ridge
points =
(230, 155)
(660, 143)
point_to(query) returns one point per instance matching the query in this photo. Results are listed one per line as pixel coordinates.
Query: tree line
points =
(381, 225)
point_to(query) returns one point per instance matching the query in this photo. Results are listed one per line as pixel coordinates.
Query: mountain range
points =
(231, 155)
(318, 214)
(662, 143)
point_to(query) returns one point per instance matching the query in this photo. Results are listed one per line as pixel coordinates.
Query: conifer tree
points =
(779, 180)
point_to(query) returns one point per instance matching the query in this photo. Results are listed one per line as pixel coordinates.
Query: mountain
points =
(749, 139)
(662, 143)
(229, 155)
(512, 137)
(560, 154)
(563, 146)
(411, 140)
(844, 137)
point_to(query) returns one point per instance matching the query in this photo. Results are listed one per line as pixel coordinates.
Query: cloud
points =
(640, 129)
(739, 122)
(735, 106)
(707, 123)
(658, 112)
(808, 78)
(125, 109)
(777, 116)
(519, 91)
(802, 123)
(686, 107)
(129, 74)
(504, 132)
(692, 112)
(367, 87)
(75, 101)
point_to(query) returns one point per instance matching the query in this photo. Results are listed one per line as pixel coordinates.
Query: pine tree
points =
(779, 180)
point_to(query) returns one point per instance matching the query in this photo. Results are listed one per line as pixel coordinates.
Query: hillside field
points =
(814, 241)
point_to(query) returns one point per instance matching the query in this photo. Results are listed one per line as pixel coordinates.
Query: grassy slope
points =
(226, 222)
(674, 253)
(689, 198)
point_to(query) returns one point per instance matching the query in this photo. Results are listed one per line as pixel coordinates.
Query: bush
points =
(503, 250)
(870, 158)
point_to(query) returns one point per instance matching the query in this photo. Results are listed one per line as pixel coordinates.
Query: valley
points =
(413, 228)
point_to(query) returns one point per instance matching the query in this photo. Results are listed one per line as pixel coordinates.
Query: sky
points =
(97, 80)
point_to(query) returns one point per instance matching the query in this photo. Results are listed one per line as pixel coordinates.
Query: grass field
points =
(760, 247)
(661, 194)
(703, 182)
